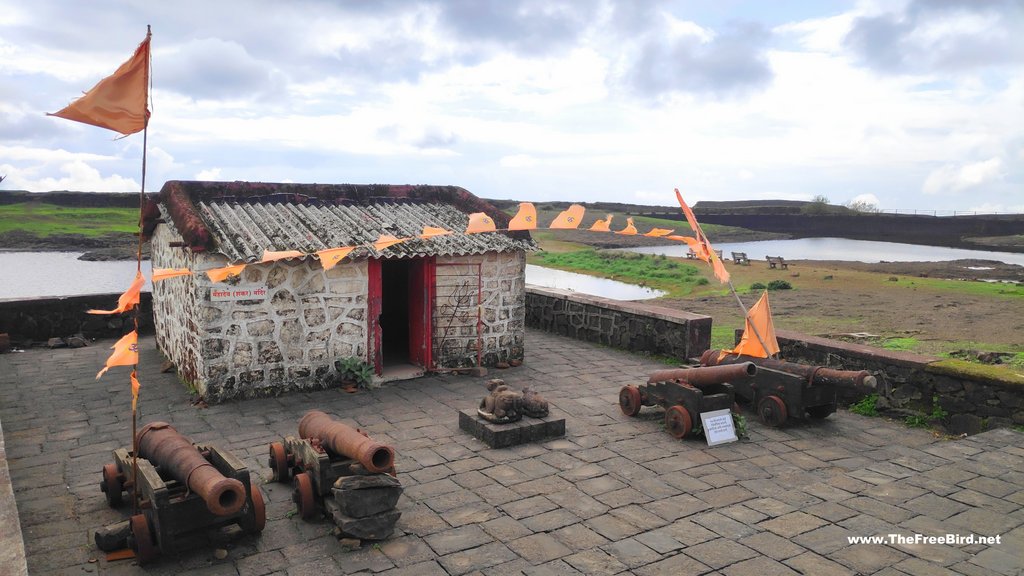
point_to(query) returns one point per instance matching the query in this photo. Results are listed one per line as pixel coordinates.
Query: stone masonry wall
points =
(175, 305)
(632, 326)
(286, 338)
(914, 382)
(502, 312)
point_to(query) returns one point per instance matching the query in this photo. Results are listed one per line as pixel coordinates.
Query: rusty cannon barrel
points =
(163, 446)
(706, 375)
(342, 439)
(816, 375)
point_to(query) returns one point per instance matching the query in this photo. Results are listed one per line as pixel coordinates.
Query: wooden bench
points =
(779, 261)
(691, 254)
(741, 258)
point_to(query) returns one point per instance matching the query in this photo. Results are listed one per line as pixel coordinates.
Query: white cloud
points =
(208, 174)
(518, 161)
(953, 179)
(78, 176)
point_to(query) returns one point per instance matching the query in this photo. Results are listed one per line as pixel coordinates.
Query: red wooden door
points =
(421, 298)
(373, 308)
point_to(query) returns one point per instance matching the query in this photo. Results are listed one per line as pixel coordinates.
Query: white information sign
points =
(718, 427)
(228, 293)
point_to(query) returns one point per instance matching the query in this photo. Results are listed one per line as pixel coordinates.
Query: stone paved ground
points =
(616, 495)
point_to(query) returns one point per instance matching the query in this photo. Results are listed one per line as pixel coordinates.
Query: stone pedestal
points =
(514, 433)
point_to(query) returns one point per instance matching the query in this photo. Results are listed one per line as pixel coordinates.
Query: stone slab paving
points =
(615, 495)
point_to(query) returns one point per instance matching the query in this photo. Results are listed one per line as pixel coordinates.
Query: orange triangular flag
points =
(271, 256)
(718, 267)
(760, 316)
(431, 231)
(629, 230)
(165, 273)
(526, 218)
(135, 391)
(479, 222)
(128, 300)
(329, 258)
(117, 102)
(386, 241)
(602, 225)
(126, 353)
(569, 219)
(659, 232)
(705, 252)
(222, 274)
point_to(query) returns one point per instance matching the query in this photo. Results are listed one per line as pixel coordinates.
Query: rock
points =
(350, 543)
(55, 343)
(77, 342)
(515, 363)
(964, 424)
(220, 553)
(113, 537)
(478, 371)
(376, 527)
(167, 366)
(362, 496)
(501, 365)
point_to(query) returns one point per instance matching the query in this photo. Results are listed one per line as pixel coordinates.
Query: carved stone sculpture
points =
(502, 404)
(534, 405)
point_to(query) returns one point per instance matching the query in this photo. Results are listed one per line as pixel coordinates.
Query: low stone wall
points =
(632, 326)
(974, 399)
(39, 319)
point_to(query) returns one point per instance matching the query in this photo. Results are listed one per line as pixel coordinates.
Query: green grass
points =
(867, 406)
(44, 220)
(653, 271)
(904, 344)
(722, 337)
(997, 289)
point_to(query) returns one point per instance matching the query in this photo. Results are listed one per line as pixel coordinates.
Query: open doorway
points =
(401, 294)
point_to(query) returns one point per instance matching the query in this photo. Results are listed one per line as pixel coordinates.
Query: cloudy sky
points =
(916, 104)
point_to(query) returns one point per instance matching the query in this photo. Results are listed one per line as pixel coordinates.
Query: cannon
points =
(685, 393)
(182, 488)
(784, 390)
(326, 451)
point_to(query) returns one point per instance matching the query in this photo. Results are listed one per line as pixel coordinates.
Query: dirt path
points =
(889, 300)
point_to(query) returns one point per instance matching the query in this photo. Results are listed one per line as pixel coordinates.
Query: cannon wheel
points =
(629, 400)
(255, 517)
(112, 485)
(145, 548)
(278, 462)
(819, 412)
(773, 411)
(303, 495)
(678, 421)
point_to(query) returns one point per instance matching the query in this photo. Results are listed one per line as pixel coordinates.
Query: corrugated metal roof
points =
(243, 230)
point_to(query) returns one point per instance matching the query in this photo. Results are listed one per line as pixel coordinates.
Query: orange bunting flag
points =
(659, 232)
(431, 232)
(760, 318)
(602, 225)
(329, 258)
(117, 102)
(526, 218)
(270, 256)
(128, 300)
(569, 219)
(222, 274)
(135, 391)
(165, 273)
(629, 230)
(386, 241)
(126, 353)
(704, 251)
(479, 222)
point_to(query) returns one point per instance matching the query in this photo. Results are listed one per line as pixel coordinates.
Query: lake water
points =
(842, 249)
(37, 274)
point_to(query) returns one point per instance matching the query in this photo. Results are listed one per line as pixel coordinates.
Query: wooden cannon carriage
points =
(685, 393)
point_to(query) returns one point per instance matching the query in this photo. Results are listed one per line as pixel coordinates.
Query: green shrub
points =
(867, 406)
(354, 370)
(779, 285)
(757, 286)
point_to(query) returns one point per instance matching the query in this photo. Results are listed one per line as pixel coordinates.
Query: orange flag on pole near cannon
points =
(758, 322)
(126, 353)
(706, 252)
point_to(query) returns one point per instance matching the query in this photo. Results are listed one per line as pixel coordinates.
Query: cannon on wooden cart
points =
(783, 390)
(182, 488)
(343, 470)
(685, 393)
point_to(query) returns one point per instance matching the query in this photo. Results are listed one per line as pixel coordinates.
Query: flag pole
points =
(138, 270)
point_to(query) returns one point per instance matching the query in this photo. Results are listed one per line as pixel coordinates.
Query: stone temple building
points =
(450, 301)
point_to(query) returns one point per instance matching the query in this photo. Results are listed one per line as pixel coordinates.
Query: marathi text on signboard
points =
(718, 427)
(230, 293)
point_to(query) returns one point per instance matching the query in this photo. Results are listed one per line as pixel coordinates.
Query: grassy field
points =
(652, 271)
(43, 220)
